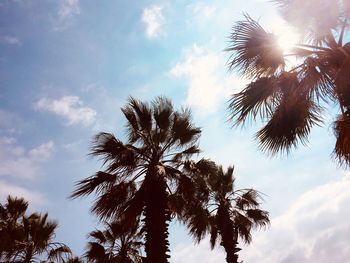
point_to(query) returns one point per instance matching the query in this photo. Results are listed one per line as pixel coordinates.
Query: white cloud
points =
(11, 40)
(43, 152)
(34, 198)
(200, 13)
(17, 165)
(207, 87)
(196, 253)
(153, 18)
(16, 162)
(11, 123)
(70, 108)
(68, 8)
(315, 229)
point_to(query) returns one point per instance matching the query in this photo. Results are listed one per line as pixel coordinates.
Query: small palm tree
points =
(10, 214)
(28, 238)
(142, 173)
(292, 100)
(114, 244)
(225, 213)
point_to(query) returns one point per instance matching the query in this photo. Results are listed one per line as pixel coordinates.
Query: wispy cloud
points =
(10, 40)
(68, 8)
(71, 108)
(207, 87)
(153, 19)
(10, 122)
(16, 162)
(66, 11)
(200, 13)
(35, 199)
(19, 165)
(314, 229)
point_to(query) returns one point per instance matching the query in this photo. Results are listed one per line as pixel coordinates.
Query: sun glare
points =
(287, 38)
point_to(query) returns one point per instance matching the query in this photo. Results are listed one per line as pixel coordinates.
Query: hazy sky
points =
(66, 68)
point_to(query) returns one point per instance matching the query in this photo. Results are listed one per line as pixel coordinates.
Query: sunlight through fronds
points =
(290, 98)
(254, 52)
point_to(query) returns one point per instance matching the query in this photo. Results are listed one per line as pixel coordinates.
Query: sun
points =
(287, 38)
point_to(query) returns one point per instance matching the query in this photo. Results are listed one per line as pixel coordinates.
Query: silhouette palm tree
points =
(28, 238)
(225, 213)
(10, 213)
(114, 244)
(141, 174)
(292, 100)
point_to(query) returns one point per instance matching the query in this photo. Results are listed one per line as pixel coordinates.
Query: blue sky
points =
(66, 68)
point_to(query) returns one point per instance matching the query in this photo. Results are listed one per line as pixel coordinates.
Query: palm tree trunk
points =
(228, 237)
(156, 220)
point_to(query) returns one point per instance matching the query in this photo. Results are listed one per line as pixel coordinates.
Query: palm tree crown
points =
(114, 244)
(140, 174)
(28, 238)
(292, 100)
(225, 213)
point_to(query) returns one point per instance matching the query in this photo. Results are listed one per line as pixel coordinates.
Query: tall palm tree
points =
(140, 174)
(28, 238)
(226, 213)
(114, 244)
(292, 100)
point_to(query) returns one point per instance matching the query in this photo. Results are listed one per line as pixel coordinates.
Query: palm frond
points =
(114, 152)
(142, 111)
(214, 232)
(59, 253)
(183, 131)
(197, 222)
(259, 217)
(113, 200)
(249, 198)
(95, 251)
(342, 133)
(98, 235)
(255, 52)
(257, 99)
(98, 182)
(185, 154)
(314, 80)
(163, 110)
(292, 119)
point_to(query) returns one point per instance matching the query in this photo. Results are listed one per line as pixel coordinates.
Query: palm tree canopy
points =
(27, 238)
(241, 205)
(292, 101)
(223, 212)
(141, 174)
(114, 244)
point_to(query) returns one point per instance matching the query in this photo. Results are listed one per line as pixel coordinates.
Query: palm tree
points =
(292, 100)
(114, 244)
(225, 213)
(28, 238)
(140, 174)
(10, 214)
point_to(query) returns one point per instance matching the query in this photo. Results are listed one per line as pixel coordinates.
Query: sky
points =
(66, 68)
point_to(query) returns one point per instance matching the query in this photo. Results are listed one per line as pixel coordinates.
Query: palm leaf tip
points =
(342, 147)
